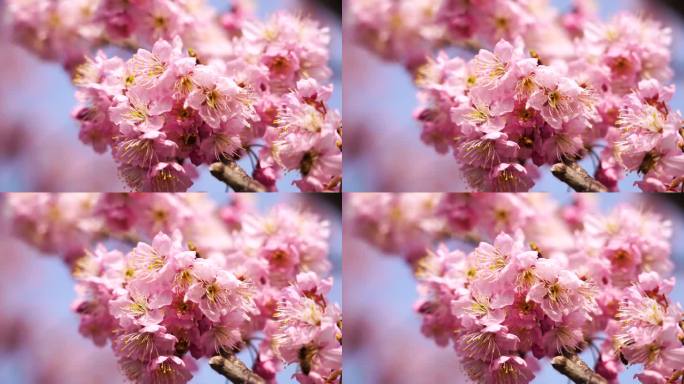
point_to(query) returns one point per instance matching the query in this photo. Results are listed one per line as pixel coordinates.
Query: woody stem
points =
(571, 366)
(576, 177)
(232, 368)
(231, 174)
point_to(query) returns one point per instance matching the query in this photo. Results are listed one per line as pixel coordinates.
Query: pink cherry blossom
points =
(193, 92)
(214, 290)
(510, 369)
(166, 280)
(544, 281)
(544, 87)
(558, 292)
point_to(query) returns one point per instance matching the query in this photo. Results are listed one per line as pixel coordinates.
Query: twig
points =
(229, 366)
(576, 370)
(235, 177)
(576, 177)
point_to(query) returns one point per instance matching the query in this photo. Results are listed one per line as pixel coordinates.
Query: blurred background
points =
(383, 342)
(39, 339)
(383, 150)
(39, 145)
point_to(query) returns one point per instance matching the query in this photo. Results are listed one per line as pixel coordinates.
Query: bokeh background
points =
(383, 342)
(39, 339)
(39, 145)
(383, 150)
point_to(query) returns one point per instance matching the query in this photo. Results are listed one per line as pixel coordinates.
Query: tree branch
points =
(576, 370)
(235, 177)
(576, 177)
(229, 366)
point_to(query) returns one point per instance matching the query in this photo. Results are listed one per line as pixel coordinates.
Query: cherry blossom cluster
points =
(66, 30)
(648, 331)
(169, 279)
(544, 89)
(36, 351)
(399, 223)
(307, 330)
(197, 89)
(409, 31)
(542, 281)
(18, 147)
(510, 116)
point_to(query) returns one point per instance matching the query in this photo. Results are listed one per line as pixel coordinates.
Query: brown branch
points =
(232, 368)
(576, 177)
(235, 177)
(576, 370)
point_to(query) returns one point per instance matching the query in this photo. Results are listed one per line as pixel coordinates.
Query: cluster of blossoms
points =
(199, 89)
(65, 31)
(409, 31)
(40, 353)
(544, 281)
(529, 101)
(201, 281)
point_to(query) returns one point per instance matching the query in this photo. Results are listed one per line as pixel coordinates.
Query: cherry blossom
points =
(511, 279)
(165, 280)
(542, 89)
(195, 90)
